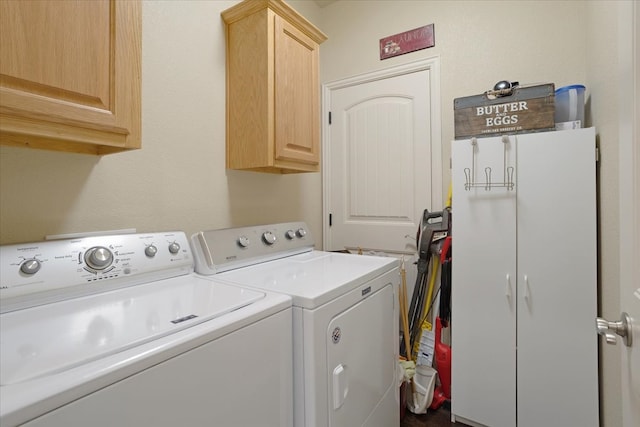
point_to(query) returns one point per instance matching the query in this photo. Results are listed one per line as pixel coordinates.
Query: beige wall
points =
(478, 43)
(178, 179)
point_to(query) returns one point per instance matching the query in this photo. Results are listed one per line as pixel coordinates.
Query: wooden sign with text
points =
(527, 109)
(409, 41)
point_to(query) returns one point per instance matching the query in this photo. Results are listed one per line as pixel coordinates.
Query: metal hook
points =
(487, 174)
(510, 177)
(467, 178)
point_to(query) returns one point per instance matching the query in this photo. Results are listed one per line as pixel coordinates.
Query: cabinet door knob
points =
(610, 329)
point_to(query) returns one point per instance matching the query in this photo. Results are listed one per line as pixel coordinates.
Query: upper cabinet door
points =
(273, 120)
(296, 95)
(70, 75)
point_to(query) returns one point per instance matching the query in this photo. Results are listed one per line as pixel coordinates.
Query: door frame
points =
(433, 65)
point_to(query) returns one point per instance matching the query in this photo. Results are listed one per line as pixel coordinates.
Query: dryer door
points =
(361, 359)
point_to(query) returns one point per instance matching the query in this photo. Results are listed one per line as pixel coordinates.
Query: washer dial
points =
(174, 248)
(30, 266)
(150, 251)
(98, 257)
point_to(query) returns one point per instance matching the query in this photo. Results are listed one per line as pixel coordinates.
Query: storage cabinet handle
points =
(507, 289)
(527, 296)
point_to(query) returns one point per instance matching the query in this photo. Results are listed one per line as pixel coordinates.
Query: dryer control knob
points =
(174, 248)
(243, 241)
(30, 266)
(301, 232)
(290, 234)
(269, 238)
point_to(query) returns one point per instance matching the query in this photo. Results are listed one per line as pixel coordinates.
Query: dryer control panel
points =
(51, 269)
(225, 249)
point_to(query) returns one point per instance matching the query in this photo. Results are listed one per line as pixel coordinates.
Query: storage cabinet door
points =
(70, 74)
(557, 347)
(297, 128)
(483, 290)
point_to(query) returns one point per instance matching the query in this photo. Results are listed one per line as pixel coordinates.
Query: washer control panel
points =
(48, 266)
(225, 249)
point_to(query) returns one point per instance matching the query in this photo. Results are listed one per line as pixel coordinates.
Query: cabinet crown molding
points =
(249, 7)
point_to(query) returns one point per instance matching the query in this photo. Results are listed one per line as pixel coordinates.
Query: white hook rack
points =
(507, 171)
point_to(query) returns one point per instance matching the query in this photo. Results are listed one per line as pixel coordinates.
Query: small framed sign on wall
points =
(408, 41)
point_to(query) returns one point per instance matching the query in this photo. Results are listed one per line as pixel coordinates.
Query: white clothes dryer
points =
(345, 318)
(117, 330)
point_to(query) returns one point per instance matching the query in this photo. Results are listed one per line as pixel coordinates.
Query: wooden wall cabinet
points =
(273, 120)
(70, 75)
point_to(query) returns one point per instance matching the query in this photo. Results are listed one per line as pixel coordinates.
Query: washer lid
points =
(55, 337)
(312, 278)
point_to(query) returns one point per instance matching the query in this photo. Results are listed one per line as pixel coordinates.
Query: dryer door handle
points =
(340, 386)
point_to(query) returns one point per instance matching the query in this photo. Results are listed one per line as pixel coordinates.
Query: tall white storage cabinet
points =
(524, 347)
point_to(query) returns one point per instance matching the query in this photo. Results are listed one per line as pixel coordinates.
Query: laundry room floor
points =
(438, 418)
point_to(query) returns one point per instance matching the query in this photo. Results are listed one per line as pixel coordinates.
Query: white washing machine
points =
(118, 331)
(345, 318)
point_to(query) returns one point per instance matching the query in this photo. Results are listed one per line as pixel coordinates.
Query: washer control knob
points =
(174, 248)
(243, 241)
(301, 232)
(150, 251)
(269, 238)
(290, 234)
(30, 266)
(98, 257)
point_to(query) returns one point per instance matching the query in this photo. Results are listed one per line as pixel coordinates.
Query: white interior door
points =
(382, 158)
(630, 281)
(629, 38)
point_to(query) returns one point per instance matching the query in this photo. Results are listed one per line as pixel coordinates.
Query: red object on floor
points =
(438, 398)
(442, 356)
